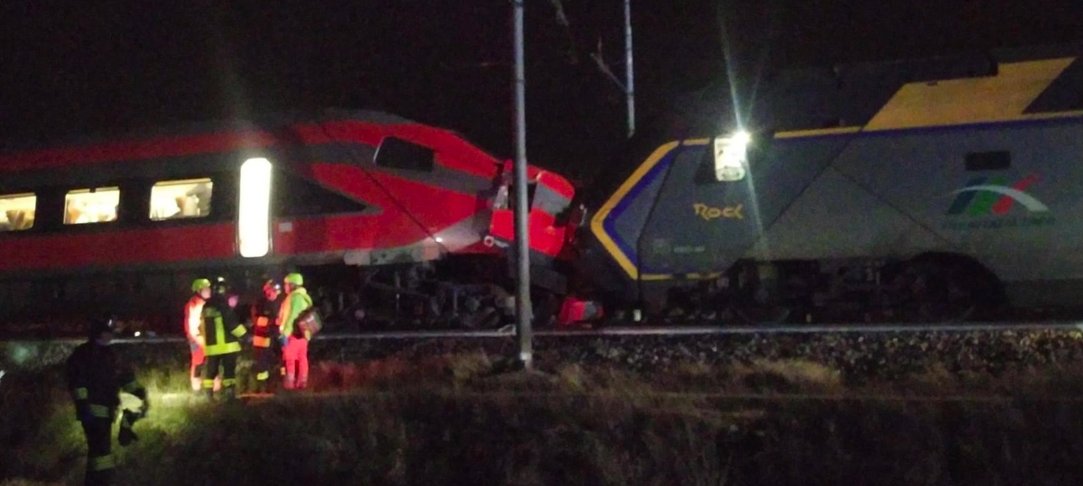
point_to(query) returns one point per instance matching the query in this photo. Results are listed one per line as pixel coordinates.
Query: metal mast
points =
(522, 242)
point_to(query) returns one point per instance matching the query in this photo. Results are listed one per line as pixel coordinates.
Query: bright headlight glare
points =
(254, 208)
(731, 156)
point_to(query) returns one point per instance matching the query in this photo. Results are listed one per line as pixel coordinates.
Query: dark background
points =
(82, 68)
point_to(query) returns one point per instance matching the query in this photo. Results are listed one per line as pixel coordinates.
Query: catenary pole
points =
(629, 85)
(522, 242)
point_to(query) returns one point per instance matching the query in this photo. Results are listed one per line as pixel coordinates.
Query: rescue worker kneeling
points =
(264, 331)
(96, 377)
(221, 332)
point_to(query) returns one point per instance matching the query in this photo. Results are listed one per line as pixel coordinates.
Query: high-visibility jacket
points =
(95, 378)
(220, 328)
(193, 312)
(263, 321)
(296, 302)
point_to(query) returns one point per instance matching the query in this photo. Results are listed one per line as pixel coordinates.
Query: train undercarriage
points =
(929, 288)
(463, 292)
(472, 293)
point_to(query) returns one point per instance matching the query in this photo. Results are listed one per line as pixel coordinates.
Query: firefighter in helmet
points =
(264, 333)
(95, 378)
(201, 291)
(294, 343)
(222, 335)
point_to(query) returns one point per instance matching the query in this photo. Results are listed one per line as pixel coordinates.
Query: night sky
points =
(80, 68)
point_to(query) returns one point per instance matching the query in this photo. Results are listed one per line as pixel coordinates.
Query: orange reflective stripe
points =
(261, 341)
(262, 321)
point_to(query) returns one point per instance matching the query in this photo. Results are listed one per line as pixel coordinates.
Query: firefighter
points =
(96, 378)
(221, 334)
(294, 343)
(201, 291)
(264, 329)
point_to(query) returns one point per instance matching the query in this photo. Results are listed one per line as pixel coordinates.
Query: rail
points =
(650, 331)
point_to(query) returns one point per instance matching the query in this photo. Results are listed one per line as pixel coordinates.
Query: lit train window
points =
(87, 206)
(17, 211)
(190, 198)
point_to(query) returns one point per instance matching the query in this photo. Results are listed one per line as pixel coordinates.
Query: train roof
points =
(258, 131)
(854, 94)
(265, 122)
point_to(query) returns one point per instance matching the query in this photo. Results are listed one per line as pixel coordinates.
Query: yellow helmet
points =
(294, 279)
(200, 284)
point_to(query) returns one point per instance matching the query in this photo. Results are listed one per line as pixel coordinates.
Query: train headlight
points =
(254, 208)
(731, 156)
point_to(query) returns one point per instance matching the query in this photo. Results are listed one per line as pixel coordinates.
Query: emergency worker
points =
(221, 333)
(294, 343)
(264, 330)
(193, 310)
(95, 378)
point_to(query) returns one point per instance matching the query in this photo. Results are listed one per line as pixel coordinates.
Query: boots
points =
(126, 436)
(127, 421)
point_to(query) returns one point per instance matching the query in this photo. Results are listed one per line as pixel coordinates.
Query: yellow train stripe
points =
(597, 222)
(1003, 97)
(818, 132)
(649, 277)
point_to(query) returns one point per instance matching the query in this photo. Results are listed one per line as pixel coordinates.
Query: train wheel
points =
(950, 288)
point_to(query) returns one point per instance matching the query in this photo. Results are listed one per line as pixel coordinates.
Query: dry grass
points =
(469, 419)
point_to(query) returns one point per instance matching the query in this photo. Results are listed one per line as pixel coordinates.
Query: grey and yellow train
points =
(929, 190)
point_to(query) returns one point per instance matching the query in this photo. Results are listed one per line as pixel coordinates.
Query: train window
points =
(189, 198)
(988, 160)
(97, 205)
(397, 153)
(295, 196)
(17, 211)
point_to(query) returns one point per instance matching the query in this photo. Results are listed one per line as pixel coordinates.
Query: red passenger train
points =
(124, 224)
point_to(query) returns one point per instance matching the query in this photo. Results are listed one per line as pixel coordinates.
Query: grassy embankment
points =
(458, 419)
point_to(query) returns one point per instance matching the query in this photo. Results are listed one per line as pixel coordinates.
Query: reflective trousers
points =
(100, 465)
(295, 359)
(195, 372)
(262, 364)
(228, 364)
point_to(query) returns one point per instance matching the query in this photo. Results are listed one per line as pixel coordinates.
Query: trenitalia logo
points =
(983, 197)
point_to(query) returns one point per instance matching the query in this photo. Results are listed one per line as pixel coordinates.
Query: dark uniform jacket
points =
(263, 321)
(220, 328)
(96, 377)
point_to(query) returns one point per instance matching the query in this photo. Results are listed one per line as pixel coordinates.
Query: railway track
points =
(651, 331)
